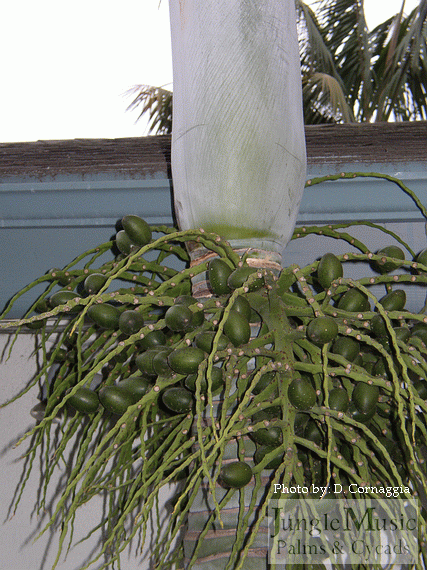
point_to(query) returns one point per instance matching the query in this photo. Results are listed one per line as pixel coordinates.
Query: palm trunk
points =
(238, 146)
(215, 547)
(238, 166)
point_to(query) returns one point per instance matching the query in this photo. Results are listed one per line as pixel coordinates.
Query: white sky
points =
(66, 65)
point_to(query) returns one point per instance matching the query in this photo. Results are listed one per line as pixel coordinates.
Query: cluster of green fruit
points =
(325, 379)
(186, 332)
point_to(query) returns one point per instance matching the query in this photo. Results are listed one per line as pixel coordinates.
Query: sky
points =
(66, 66)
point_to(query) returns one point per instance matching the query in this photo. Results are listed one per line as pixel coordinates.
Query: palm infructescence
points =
(349, 73)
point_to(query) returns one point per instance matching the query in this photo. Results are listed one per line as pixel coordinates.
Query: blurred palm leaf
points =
(349, 73)
(324, 100)
(157, 102)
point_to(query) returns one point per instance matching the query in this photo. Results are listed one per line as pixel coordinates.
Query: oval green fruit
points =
(384, 266)
(240, 275)
(312, 432)
(60, 354)
(84, 400)
(42, 306)
(338, 400)
(365, 397)
(197, 317)
(161, 364)
(394, 301)
(329, 269)
(422, 257)
(346, 346)
(137, 386)
(269, 413)
(271, 436)
(419, 330)
(218, 273)
(241, 305)
(235, 475)
(65, 278)
(354, 301)
(186, 300)
(153, 339)
(62, 297)
(205, 339)
(402, 333)
(301, 394)
(123, 242)
(178, 318)
(378, 326)
(217, 378)
(380, 368)
(177, 399)
(115, 399)
(265, 380)
(359, 416)
(276, 459)
(137, 229)
(186, 360)
(144, 361)
(421, 387)
(94, 283)
(104, 315)
(237, 328)
(322, 330)
(130, 322)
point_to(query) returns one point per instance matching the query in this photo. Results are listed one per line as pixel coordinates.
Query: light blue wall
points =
(46, 223)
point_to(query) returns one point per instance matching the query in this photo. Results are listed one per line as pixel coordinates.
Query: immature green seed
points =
(123, 242)
(94, 283)
(137, 229)
(237, 328)
(365, 397)
(186, 360)
(322, 330)
(346, 346)
(301, 394)
(217, 377)
(115, 399)
(354, 301)
(178, 318)
(218, 273)
(84, 400)
(177, 399)
(130, 322)
(104, 315)
(338, 399)
(62, 297)
(264, 450)
(239, 276)
(235, 475)
(394, 301)
(329, 269)
(384, 266)
(422, 257)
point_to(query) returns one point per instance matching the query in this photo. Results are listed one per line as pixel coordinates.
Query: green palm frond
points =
(156, 101)
(314, 50)
(402, 66)
(349, 73)
(324, 98)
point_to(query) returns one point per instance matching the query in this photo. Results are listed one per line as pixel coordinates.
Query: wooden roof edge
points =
(337, 144)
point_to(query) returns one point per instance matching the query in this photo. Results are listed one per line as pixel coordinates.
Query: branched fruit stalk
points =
(331, 389)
